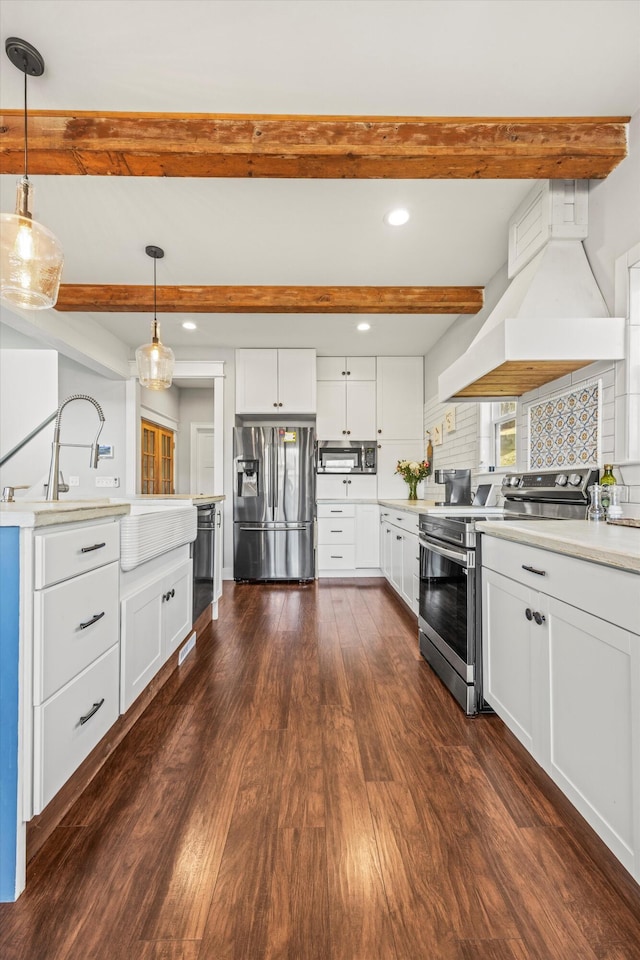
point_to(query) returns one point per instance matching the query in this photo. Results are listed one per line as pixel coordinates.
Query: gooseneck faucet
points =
(53, 488)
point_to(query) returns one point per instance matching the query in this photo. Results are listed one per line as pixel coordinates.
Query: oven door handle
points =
(464, 557)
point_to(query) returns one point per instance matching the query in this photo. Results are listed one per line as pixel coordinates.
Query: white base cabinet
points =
(348, 539)
(566, 680)
(400, 553)
(155, 618)
(75, 648)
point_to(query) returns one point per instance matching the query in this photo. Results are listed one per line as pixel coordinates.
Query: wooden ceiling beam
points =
(119, 298)
(316, 147)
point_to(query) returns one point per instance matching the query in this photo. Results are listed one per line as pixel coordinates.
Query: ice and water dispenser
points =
(247, 478)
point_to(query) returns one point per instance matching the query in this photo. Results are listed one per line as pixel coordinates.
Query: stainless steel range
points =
(449, 613)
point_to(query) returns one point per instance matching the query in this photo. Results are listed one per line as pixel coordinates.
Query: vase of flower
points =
(413, 471)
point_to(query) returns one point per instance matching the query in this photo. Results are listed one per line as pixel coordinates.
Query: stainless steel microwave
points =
(347, 456)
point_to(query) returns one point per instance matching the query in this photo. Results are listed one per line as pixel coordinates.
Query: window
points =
(503, 423)
(157, 458)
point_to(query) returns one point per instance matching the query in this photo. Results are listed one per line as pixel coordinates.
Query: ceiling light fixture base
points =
(24, 56)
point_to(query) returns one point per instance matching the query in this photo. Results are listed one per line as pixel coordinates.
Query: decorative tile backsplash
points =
(563, 429)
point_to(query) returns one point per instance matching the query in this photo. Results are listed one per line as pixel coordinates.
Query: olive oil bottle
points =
(607, 480)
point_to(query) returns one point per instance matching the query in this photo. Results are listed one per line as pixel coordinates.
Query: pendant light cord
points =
(155, 288)
(26, 149)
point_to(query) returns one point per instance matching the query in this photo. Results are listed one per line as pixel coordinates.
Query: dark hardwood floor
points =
(304, 788)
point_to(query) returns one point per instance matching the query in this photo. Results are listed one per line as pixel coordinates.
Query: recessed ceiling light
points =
(396, 218)
(189, 325)
(364, 326)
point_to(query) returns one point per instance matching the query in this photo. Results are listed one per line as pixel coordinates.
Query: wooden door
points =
(157, 459)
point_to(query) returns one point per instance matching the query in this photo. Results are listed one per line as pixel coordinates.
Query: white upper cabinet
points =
(346, 398)
(276, 381)
(400, 397)
(346, 368)
(346, 409)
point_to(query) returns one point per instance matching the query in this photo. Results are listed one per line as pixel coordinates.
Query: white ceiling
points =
(346, 57)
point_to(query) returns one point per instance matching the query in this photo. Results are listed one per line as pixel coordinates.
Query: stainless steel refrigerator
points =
(273, 503)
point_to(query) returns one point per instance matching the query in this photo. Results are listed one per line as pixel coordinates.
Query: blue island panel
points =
(9, 680)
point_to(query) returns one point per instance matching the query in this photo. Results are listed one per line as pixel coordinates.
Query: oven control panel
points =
(546, 482)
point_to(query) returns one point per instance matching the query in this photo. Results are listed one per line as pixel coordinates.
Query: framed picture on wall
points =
(437, 434)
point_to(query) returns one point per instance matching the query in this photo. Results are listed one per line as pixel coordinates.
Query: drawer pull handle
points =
(539, 573)
(96, 546)
(94, 709)
(169, 594)
(398, 537)
(335, 531)
(539, 617)
(336, 556)
(335, 511)
(94, 619)
(529, 614)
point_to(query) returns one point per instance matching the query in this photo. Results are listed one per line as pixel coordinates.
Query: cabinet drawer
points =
(66, 639)
(405, 521)
(336, 510)
(66, 553)
(611, 594)
(340, 557)
(336, 530)
(61, 739)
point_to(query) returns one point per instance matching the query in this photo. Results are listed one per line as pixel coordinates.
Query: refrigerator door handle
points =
(274, 528)
(273, 453)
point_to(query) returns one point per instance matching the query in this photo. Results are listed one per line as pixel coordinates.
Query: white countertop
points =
(614, 546)
(44, 513)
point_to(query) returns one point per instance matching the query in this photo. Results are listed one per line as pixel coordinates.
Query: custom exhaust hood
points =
(551, 320)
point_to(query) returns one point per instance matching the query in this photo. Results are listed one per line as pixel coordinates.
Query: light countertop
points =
(44, 513)
(193, 497)
(614, 546)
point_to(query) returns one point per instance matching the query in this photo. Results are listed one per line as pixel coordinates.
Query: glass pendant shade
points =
(31, 257)
(155, 362)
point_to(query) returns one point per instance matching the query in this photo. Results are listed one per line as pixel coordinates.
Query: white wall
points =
(80, 422)
(28, 395)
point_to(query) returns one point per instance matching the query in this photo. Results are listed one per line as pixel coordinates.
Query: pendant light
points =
(154, 360)
(30, 255)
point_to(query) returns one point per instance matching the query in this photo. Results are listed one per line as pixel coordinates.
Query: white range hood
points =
(550, 321)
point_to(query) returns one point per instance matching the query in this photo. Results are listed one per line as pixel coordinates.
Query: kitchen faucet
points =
(53, 486)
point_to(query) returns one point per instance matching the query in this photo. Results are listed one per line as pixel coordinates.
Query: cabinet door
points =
(367, 535)
(396, 559)
(141, 641)
(218, 558)
(331, 487)
(400, 395)
(361, 409)
(595, 724)
(296, 381)
(361, 368)
(508, 666)
(385, 549)
(391, 486)
(176, 608)
(410, 567)
(330, 419)
(256, 381)
(362, 487)
(331, 368)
